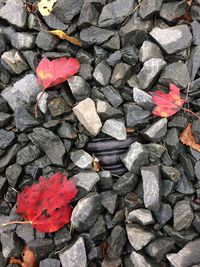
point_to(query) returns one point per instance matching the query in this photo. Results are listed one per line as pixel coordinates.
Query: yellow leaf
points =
(65, 36)
(45, 7)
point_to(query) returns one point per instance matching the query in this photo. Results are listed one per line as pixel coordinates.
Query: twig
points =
(16, 222)
(191, 112)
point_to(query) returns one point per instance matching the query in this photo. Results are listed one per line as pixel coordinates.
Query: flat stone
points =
(86, 179)
(155, 152)
(156, 131)
(135, 115)
(66, 130)
(13, 172)
(149, 50)
(102, 73)
(115, 128)
(88, 16)
(112, 95)
(136, 157)
(114, 58)
(24, 121)
(149, 8)
(50, 263)
(139, 260)
(6, 138)
(58, 106)
(141, 216)
(187, 256)
(115, 13)
(195, 32)
(183, 215)
(13, 61)
(125, 184)
(22, 40)
(139, 236)
(41, 247)
(86, 212)
(46, 41)
(164, 214)
(15, 7)
(143, 99)
(79, 87)
(175, 73)
(98, 232)
(184, 185)
(86, 113)
(130, 54)
(151, 187)
(26, 232)
(172, 39)
(9, 156)
(106, 111)
(169, 172)
(27, 154)
(121, 74)
(49, 143)
(81, 159)
(151, 68)
(109, 201)
(95, 36)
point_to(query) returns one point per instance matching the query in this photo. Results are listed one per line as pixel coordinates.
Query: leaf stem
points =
(17, 222)
(191, 112)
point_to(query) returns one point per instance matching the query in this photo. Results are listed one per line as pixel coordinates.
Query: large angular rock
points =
(115, 128)
(27, 154)
(87, 115)
(81, 159)
(195, 32)
(49, 143)
(143, 99)
(151, 187)
(149, 50)
(156, 131)
(121, 74)
(74, 255)
(135, 115)
(6, 138)
(115, 12)
(139, 260)
(102, 73)
(141, 216)
(149, 8)
(89, 15)
(183, 215)
(172, 39)
(79, 87)
(86, 179)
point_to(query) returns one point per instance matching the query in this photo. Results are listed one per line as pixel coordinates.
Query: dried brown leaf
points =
(188, 139)
(62, 35)
(28, 259)
(96, 164)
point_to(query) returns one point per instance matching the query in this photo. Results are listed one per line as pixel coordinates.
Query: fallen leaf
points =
(167, 104)
(130, 130)
(28, 259)
(188, 139)
(45, 204)
(46, 6)
(190, 2)
(96, 164)
(51, 73)
(62, 35)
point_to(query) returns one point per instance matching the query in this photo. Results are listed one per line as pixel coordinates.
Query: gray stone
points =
(187, 256)
(95, 36)
(26, 232)
(114, 58)
(172, 143)
(24, 121)
(121, 74)
(32, 59)
(49, 143)
(141, 216)
(41, 246)
(9, 156)
(6, 138)
(135, 115)
(14, 62)
(169, 172)
(155, 152)
(115, 128)
(86, 179)
(160, 247)
(196, 223)
(112, 95)
(86, 113)
(102, 73)
(11, 244)
(197, 170)
(149, 8)
(50, 263)
(136, 157)
(14, 13)
(164, 214)
(172, 39)
(115, 13)
(46, 41)
(143, 99)
(151, 68)
(106, 111)
(183, 185)
(193, 62)
(4, 119)
(67, 10)
(13, 172)
(156, 131)
(79, 87)
(86, 212)
(42, 101)
(139, 260)
(89, 15)
(125, 184)
(139, 236)
(4, 75)
(27, 154)
(149, 50)
(130, 54)
(58, 106)
(85, 71)
(66, 130)
(98, 232)
(81, 159)
(2, 42)
(195, 32)
(151, 187)
(22, 40)
(116, 242)
(183, 215)
(178, 122)
(109, 201)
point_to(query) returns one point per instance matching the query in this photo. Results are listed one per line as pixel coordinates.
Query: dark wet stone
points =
(86, 212)
(62, 237)
(8, 157)
(143, 99)
(98, 231)
(14, 13)
(167, 187)
(188, 165)
(27, 154)
(106, 111)
(169, 172)
(197, 170)
(46, 41)
(151, 187)
(3, 105)
(171, 11)
(89, 15)
(183, 215)
(4, 119)
(115, 128)
(135, 115)
(136, 157)
(95, 36)
(13, 173)
(41, 247)
(13, 61)
(26, 232)
(114, 58)
(183, 185)
(58, 106)
(149, 8)
(160, 247)
(95, 253)
(116, 242)
(79, 87)
(4, 207)
(24, 121)
(121, 74)
(102, 73)
(125, 184)
(178, 122)
(112, 95)
(156, 131)
(141, 216)
(6, 138)
(2, 42)
(195, 32)
(172, 39)
(49, 143)
(139, 236)
(164, 214)
(130, 54)
(50, 263)
(155, 152)
(11, 244)
(106, 180)
(115, 13)
(109, 201)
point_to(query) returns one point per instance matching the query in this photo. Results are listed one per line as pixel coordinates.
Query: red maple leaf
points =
(51, 73)
(167, 104)
(45, 204)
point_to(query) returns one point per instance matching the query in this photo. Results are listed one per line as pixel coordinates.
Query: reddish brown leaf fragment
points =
(187, 138)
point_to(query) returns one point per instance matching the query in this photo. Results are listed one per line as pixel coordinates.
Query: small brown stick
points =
(17, 222)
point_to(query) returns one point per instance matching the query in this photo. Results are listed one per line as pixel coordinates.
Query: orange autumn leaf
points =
(167, 104)
(62, 35)
(188, 139)
(28, 259)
